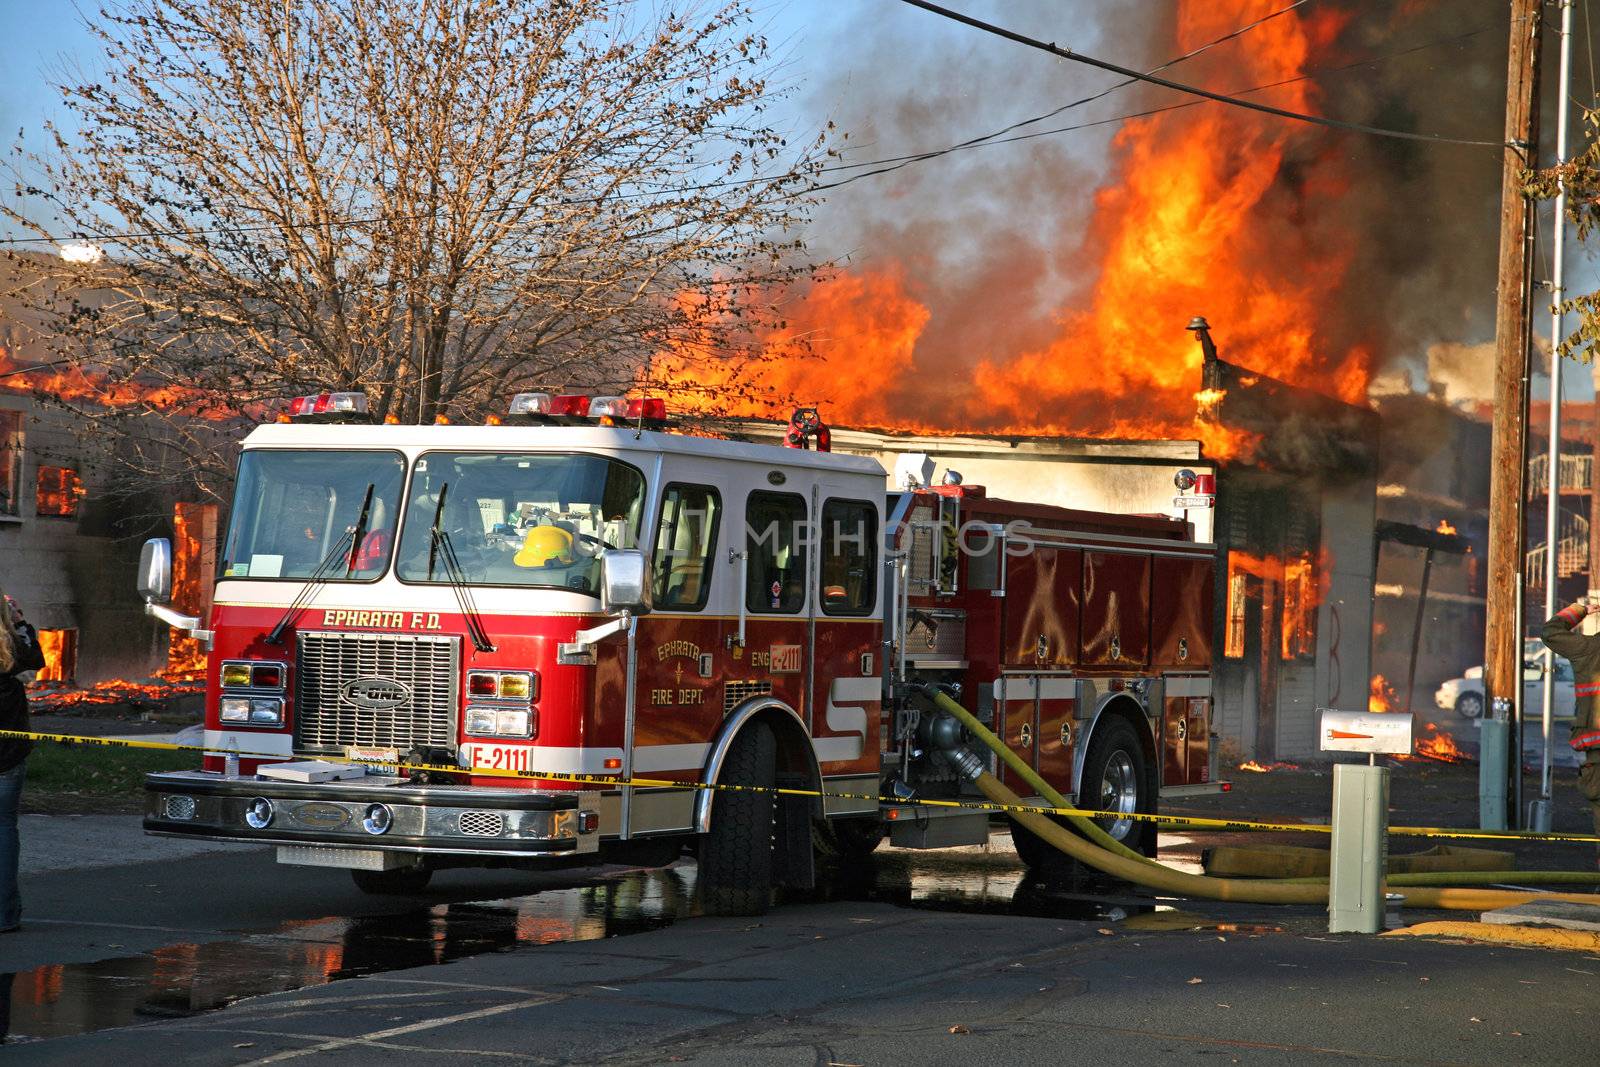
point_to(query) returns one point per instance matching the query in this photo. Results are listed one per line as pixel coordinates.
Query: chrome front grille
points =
(341, 675)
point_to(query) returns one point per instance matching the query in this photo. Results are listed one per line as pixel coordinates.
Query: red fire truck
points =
(580, 591)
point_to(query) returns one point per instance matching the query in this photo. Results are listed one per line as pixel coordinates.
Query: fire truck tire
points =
(404, 882)
(1118, 777)
(736, 856)
(847, 839)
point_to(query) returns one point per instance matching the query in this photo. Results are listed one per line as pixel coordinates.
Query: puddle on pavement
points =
(186, 979)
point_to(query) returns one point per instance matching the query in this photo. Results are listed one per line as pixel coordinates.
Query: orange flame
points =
(1267, 768)
(1444, 527)
(60, 651)
(1440, 745)
(1199, 215)
(75, 385)
(49, 697)
(1380, 695)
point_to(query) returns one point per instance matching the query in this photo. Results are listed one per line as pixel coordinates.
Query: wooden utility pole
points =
(1502, 653)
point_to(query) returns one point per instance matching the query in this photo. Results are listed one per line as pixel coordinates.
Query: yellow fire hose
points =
(1251, 891)
(1099, 850)
(1088, 827)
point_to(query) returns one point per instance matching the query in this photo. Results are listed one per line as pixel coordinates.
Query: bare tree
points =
(433, 201)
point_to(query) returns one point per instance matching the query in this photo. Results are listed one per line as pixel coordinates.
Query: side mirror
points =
(155, 571)
(624, 581)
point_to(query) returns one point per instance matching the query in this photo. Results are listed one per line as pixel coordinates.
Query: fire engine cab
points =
(404, 614)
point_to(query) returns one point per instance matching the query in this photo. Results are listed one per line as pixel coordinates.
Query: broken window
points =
(1299, 609)
(1233, 640)
(10, 462)
(60, 649)
(59, 491)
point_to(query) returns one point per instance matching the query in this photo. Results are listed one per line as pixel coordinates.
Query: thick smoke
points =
(1400, 236)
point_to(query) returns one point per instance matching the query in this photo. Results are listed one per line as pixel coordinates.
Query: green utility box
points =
(1360, 851)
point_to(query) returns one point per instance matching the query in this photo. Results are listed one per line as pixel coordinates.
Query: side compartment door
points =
(1116, 609)
(1040, 621)
(1057, 737)
(1017, 704)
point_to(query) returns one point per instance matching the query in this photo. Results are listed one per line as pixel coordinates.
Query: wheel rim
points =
(1119, 792)
(1471, 707)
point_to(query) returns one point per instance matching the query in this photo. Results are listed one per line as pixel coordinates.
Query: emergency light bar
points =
(608, 407)
(328, 403)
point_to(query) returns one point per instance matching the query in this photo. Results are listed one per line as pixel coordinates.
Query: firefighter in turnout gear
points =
(1562, 637)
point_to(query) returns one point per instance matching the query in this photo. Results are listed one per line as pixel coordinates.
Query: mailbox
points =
(1387, 733)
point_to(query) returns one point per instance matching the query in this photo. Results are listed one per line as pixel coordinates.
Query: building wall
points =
(64, 574)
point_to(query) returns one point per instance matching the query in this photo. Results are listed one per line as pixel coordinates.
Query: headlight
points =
(500, 722)
(266, 711)
(258, 813)
(256, 711)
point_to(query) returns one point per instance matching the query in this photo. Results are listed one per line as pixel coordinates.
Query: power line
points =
(1166, 83)
(1241, 31)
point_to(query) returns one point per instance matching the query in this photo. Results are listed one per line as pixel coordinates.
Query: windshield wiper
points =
(344, 548)
(439, 546)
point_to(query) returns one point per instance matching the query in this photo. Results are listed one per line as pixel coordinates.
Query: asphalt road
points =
(915, 958)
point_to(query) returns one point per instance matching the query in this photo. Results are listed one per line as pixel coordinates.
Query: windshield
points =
(520, 518)
(291, 508)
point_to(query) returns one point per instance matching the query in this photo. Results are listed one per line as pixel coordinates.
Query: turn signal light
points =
(521, 686)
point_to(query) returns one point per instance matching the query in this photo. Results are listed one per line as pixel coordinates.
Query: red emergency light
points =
(569, 404)
(652, 407)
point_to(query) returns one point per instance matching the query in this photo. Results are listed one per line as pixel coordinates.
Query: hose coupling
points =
(968, 765)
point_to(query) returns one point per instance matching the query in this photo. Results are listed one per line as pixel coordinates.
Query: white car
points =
(1465, 694)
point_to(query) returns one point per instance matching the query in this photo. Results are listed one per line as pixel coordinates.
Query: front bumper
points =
(425, 820)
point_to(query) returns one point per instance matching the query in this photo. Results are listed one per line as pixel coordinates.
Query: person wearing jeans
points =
(19, 653)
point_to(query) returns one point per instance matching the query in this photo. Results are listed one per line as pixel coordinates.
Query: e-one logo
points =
(375, 694)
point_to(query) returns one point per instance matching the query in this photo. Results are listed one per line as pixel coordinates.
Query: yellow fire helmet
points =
(543, 546)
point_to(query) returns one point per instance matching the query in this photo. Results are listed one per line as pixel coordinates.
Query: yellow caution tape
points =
(1172, 822)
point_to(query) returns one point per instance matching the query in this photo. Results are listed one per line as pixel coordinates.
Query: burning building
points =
(68, 548)
(59, 556)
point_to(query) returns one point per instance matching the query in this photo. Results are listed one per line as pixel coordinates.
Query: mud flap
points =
(793, 851)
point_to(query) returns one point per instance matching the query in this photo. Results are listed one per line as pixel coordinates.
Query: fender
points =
(1103, 704)
(736, 720)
